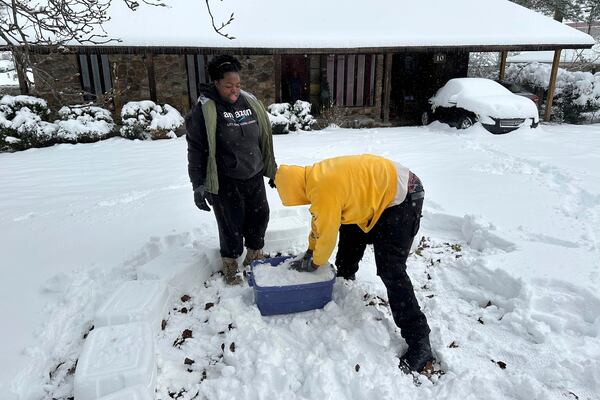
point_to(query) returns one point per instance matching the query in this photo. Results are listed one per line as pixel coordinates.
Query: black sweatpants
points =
(242, 213)
(392, 237)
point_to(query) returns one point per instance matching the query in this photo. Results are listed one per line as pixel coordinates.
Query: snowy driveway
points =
(509, 272)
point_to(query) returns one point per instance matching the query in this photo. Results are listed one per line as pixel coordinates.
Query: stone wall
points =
(129, 79)
(60, 84)
(258, 77)
(171, 81)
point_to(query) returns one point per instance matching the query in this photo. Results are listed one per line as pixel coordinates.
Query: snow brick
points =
(145, 301)
(115, 358)
(286, 229)
(181, 269)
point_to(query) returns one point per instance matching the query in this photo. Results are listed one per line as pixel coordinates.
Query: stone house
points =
(379, 62)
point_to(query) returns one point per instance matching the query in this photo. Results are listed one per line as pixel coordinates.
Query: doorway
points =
(294, 78)
(417, 76)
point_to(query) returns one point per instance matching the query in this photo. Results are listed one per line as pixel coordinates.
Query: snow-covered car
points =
(463, 101)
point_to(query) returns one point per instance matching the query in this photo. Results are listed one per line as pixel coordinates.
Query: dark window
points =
(351, 79)
(95, 75)
(197, 74)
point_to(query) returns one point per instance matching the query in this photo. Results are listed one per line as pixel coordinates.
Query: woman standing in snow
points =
(230, 149)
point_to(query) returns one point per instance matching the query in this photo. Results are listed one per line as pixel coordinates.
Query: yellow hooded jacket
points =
(341, 190)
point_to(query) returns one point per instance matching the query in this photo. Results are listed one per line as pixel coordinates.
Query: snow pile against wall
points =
(148, 120)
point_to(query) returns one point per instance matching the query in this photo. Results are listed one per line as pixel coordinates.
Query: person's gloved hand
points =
(200, 198)
(305, 264)
(272, 183)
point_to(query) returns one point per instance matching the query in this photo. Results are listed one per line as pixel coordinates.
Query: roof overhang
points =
(106, 49)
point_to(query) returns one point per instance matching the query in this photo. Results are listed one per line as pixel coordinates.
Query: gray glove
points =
(305, 264)
(200, 198)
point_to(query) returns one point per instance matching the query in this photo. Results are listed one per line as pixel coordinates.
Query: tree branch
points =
(223, 24)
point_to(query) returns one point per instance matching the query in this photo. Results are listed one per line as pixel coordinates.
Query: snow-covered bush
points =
(577, 93)
(23, 123)
(84, 124)
(285, 118)
(9, 105)
(279, 115)
(147, 120)
(304, 120)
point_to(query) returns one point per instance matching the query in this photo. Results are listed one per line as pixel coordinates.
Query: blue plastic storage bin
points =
(273, 300)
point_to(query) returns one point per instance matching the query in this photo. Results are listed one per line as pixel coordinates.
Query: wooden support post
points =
(277, 77)
(151, 76)
(503, 55)
(387, 85)
(552, 85)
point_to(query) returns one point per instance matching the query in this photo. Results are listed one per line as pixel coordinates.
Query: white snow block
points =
(182, 269)
(144, 301)
(115, 358)
(287, 228)
(137, 392)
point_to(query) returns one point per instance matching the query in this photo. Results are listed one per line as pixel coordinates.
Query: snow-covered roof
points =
(318, 24)
(591, 56)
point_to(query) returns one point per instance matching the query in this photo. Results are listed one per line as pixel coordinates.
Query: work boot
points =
(418, 357)
(253, 255)
(230, 270)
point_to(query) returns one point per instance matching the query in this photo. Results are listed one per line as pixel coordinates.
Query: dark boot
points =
(418, 357)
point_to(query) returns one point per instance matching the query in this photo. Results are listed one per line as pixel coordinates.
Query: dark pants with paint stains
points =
(242, 213)
(391, 237)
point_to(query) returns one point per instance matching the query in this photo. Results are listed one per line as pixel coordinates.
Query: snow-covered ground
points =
(508, 271)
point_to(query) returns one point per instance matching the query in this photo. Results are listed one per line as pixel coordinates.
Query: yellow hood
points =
(291, 185)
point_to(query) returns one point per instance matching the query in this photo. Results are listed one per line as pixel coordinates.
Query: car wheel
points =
(425, 118)
(465, 122)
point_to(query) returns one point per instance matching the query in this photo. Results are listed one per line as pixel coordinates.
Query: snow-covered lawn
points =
(508, 271)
